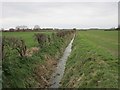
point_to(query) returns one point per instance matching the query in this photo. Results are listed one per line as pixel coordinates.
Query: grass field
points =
(28, 37)
(93, 62)
(104, 39)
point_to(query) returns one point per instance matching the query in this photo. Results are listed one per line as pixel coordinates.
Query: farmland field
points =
(27, 36)
(93, 62)
(107, 40)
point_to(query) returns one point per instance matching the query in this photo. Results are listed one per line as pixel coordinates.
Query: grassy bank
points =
(33, 71)
(93, 62)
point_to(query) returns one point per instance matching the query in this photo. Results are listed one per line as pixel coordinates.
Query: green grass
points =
(93, 62)
(28, 37)
(0, 33)
(22, 72)
(104, 39)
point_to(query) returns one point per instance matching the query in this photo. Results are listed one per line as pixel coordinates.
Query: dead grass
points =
(72, 81)
(45, 71)
(31, 51)
(101, 62)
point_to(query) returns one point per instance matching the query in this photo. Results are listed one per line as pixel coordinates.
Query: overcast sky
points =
(60, 14)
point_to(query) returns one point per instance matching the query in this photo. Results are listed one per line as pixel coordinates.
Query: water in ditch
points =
(55, 80)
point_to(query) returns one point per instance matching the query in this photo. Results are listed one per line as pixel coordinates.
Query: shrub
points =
(12, 43)
(64, 33)
(45, 39)
(42, 39)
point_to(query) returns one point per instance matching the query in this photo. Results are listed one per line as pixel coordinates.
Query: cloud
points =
(60, 14)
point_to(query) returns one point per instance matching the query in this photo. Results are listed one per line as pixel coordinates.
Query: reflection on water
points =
(57, 76)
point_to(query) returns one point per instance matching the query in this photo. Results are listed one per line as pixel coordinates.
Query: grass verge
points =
(90, 66)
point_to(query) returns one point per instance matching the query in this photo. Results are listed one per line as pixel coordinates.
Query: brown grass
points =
(45, 71)
(31, 51)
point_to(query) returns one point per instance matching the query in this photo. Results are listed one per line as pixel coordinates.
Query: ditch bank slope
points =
(35, 70)
(89, 66)
(46, 70)
(58, 74)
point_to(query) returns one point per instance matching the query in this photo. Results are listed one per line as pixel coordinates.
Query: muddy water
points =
(57, 76)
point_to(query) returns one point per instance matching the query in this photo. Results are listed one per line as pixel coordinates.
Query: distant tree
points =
(118, 28)
(17, 27)
(2, 29)
(36, 27)
(74, 28)
(22, 27)
(11, 29)
(113, 28)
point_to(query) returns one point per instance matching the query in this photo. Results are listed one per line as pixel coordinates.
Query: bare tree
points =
(22, 27)
(36, 27)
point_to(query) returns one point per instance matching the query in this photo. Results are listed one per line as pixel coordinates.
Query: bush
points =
(64, 33)
(12, 43)
(42, 39)
(45, 39)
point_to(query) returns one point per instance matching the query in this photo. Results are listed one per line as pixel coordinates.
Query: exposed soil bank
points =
(55, 80)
